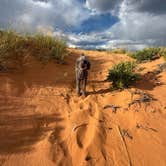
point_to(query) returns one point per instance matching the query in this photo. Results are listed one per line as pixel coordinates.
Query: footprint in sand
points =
(81, 106)
(80, 134)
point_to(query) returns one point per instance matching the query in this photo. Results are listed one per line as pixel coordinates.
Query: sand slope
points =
(44, 123)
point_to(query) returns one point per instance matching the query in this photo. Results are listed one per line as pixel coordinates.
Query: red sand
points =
(44, 123)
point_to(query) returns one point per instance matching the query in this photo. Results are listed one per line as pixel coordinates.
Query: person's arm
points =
(84, 68)
(76, 64)
(89, 65)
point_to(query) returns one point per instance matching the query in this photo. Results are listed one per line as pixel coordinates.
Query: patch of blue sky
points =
(96, 23)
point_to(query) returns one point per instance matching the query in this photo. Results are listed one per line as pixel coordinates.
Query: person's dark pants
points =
(81, 82)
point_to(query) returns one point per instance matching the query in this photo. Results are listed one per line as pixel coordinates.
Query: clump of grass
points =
(148, 54)
(122, 75)
(59, 51)
(15, 48)
(101, 49)
(11, 47)
(46, 48)
(118, 51)
(163, 52)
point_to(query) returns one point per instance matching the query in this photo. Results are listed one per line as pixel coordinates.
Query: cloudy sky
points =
(133, 24)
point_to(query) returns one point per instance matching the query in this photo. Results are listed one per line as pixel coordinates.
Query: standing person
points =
(82, 67)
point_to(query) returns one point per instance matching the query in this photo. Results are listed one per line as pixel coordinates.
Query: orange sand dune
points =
(44, 123)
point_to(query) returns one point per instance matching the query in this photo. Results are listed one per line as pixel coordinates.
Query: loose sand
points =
(44, 123)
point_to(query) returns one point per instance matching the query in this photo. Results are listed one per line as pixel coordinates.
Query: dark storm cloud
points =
(103, 5)
(149, 6)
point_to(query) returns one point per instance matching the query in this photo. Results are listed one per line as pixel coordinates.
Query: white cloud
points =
(64, 14)
(41, 4)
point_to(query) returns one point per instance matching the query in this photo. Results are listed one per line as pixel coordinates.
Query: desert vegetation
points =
(122, 75)
(16, 48)
(148, 54)
(118, 51)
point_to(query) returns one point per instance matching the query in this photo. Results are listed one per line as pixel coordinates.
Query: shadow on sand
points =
(19, 132)
(149, 81)
(99, 92)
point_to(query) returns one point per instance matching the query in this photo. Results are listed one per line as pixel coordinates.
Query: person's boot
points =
(84, 87)
(79, 94)
(84, 94)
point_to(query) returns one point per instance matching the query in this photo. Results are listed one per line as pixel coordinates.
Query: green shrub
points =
(122, 75)
(148, 54)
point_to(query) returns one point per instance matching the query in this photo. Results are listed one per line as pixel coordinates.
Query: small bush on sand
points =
(15, 47)
(122, 75)
(118, 51)
(148, 54)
